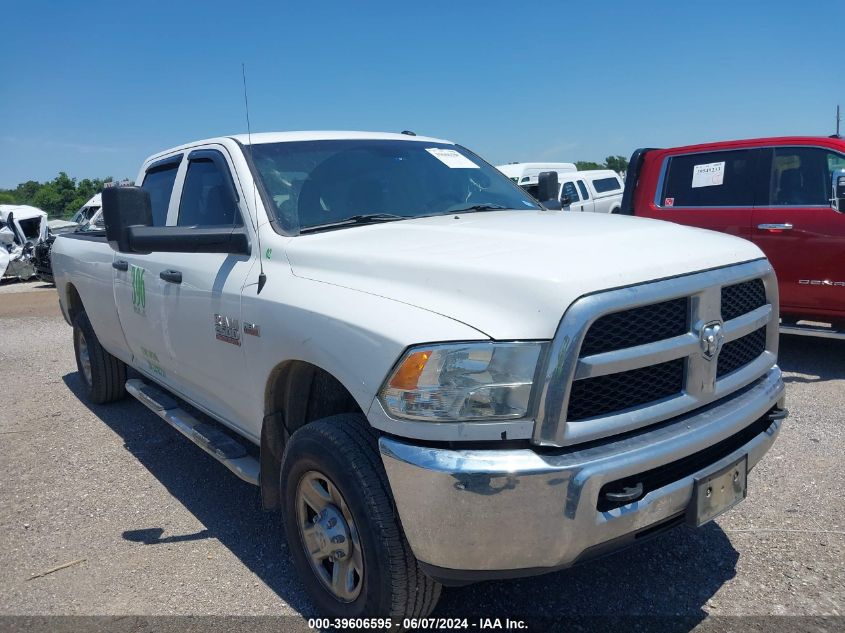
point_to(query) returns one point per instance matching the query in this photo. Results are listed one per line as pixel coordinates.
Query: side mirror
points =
(565, 201)
(547, 190)
(837, 200)
(124, 207)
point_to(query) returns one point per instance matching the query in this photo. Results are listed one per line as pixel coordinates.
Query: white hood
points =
(509, 274)
(20, 211)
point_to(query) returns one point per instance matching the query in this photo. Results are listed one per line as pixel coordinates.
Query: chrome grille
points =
(606, 394)
(637, 326)
(740, 299)
(740, 352)
(706, 335)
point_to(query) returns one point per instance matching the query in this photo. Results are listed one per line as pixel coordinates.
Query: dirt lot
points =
(155, 526)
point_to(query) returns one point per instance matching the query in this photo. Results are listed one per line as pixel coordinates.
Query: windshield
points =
(317, 183)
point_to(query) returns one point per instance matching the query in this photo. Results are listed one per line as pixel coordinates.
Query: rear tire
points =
(340, 453)
(103, 375)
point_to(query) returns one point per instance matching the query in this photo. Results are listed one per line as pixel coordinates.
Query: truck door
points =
(201, 298)
(711, 190)
(138, 288)
(800, 232)
(587, 203)
(569, 198)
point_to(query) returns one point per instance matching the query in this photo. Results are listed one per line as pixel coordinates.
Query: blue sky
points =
(93, 88)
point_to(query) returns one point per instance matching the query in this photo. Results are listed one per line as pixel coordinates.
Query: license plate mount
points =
(718, 491)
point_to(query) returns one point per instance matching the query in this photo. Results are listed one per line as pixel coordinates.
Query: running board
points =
(808, 330)
(221, 446)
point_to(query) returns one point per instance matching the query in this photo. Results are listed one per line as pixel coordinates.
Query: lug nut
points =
(339, 554)
(332, 522)
(338, 538)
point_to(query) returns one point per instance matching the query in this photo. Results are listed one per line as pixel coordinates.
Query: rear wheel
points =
(103, 375)
(344, 535)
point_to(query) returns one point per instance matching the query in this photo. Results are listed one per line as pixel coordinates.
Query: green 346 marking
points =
(139, 293)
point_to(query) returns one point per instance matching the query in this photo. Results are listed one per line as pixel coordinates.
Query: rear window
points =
(711, 179)
(603, 185)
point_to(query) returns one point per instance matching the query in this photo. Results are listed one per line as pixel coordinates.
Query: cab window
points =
(158, 181)
(709, 179)
(206, 198)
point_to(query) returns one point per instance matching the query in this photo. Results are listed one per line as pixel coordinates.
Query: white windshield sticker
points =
(708, 175)
(451, 158)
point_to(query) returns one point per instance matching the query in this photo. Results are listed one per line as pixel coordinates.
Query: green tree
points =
(618, 164)
(585, 165)
(60, 197)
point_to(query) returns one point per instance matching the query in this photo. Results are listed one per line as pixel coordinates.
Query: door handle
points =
(173, 276)
(120, 265)
(775, 227)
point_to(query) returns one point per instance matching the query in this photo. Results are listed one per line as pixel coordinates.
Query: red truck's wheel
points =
(343, 533)
(103, 375)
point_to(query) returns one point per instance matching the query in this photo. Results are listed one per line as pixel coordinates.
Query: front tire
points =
(103, 375)
(343, 532)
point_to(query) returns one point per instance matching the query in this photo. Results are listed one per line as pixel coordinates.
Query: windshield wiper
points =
(479, 207)
(363, 218)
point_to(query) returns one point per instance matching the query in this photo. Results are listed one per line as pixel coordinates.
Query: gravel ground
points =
(155, 526)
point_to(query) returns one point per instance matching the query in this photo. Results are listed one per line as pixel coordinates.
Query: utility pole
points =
(838, 119)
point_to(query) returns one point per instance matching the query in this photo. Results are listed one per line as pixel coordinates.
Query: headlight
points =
(462, 381)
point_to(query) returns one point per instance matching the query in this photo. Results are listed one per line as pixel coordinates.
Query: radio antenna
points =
(262, 278)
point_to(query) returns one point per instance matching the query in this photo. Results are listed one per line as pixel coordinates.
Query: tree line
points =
(60, 197)
(619, 164)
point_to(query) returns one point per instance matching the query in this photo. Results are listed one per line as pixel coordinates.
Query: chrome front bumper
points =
(523, 511)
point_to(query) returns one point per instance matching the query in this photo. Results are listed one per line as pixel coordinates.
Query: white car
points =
(21, 228)
(435, 379)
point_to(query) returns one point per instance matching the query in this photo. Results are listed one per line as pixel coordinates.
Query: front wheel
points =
(344, 536)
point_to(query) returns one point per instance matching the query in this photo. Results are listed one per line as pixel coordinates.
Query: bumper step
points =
(809, 330)
(220, 445)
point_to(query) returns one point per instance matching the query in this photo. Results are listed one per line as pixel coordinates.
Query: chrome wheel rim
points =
(329, 537)
(84, 356)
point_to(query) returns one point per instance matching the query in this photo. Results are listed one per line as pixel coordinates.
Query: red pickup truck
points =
(787, 195)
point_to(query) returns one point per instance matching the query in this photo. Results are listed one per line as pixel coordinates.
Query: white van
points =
(525, 174)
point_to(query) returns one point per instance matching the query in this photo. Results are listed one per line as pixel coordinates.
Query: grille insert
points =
(742, 298)
(740, 352)
(637, 326)
(603, 395)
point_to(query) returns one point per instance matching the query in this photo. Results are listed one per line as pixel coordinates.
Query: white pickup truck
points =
(435, 379)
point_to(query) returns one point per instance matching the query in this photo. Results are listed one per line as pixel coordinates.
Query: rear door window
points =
(206, 197)
(603, 185)
(583, 188)
(711, 179)
(158, 181)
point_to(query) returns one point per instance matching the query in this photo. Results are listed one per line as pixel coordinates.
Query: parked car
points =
(594, 190)
(780, 193)
(21, 228)
(89, 217)
(435, 379)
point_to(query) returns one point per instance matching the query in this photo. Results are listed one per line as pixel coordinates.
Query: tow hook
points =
(626, 495)
(777, 414)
